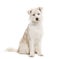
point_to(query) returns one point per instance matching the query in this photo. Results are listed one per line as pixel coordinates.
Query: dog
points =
(31, 40)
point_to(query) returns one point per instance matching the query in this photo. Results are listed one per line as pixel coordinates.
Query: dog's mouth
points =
(36, 21)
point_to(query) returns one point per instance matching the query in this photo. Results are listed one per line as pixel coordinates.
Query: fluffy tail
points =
(11, 50)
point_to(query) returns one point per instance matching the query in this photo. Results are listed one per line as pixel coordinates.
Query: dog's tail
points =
(11, 50)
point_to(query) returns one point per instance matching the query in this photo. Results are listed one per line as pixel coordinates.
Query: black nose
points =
(37, 19)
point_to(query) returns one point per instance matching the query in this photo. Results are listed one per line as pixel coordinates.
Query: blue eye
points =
(33, 14)
(38, 13)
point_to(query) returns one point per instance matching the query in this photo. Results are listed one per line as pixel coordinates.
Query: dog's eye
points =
(38, 13)
(33, 14)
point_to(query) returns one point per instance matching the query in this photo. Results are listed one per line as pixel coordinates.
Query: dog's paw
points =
(40, 55)
(31, 55)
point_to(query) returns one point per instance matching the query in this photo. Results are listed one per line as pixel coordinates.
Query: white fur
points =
(33, 34)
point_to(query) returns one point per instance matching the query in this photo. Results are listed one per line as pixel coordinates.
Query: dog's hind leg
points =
(23, 49)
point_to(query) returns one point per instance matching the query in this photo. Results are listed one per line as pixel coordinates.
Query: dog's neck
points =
(35, 23)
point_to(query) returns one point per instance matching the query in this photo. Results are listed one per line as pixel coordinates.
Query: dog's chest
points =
(34, 31)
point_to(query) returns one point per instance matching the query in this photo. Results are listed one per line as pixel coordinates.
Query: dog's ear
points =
(29, 12)
(40, 8)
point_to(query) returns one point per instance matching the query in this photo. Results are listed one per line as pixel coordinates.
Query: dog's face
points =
(35, 14)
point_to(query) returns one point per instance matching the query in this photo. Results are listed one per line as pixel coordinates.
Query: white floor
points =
(11, 55)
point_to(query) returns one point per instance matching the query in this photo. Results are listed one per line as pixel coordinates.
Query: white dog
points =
(31, 40)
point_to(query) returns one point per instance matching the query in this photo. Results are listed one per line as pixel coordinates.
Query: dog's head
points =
(35, 14)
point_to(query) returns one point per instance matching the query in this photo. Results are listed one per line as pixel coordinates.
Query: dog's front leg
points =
(38, 49)
(31, 46)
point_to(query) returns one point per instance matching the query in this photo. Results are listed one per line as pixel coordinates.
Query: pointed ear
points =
(29, 12)
(40, 8)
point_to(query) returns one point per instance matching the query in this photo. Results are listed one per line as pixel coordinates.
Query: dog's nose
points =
(37, 19)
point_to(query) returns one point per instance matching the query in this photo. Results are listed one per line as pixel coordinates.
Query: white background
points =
(14, 20)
